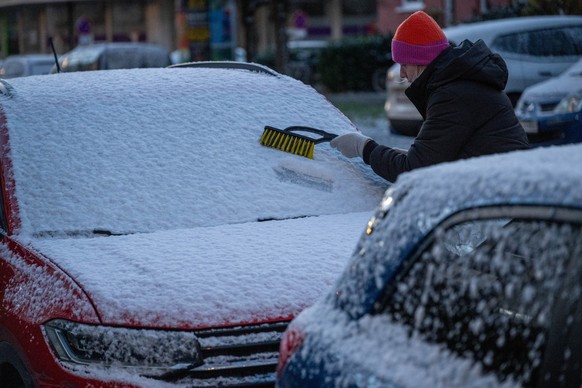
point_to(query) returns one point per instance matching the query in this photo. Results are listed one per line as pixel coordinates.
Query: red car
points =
(149, 239)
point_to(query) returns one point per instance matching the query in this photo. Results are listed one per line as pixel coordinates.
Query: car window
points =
(135, 57)
(490, 297)
(81, 59)
(565, 41)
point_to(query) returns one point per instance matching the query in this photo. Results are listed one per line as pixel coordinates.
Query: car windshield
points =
(124, 151)
(135, 57)
(41, 67)
(492, 302)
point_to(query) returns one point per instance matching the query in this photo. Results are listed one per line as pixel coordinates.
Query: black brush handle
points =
(325, 136)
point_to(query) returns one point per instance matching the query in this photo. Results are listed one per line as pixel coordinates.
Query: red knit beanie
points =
(418, 40)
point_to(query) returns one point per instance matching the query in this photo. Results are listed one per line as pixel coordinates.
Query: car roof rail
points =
(6, 89)
(229, 65)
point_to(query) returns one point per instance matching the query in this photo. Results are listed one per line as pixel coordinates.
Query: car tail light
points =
(291, 341)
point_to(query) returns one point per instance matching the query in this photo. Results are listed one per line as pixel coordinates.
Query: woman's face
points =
(411, 72)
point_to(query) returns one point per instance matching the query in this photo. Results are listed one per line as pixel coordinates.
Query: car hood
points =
(222, 275)
(555, 88)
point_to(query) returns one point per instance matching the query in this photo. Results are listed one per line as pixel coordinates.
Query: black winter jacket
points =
(466, 113)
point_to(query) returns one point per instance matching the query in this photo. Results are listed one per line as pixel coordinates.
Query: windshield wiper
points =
(78, 233)
(264, 219)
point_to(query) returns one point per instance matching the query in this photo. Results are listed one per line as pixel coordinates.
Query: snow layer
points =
(170, 160)
(365, 358)
(423, 198)
(340, 334)
(567, 83)
(138, 151)
(210, 276)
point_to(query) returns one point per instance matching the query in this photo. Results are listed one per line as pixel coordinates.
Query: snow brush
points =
(289, 141)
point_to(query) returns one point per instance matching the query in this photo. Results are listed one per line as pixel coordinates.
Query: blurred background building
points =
(213, 29)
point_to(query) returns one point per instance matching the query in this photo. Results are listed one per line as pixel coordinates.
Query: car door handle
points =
(545, 73)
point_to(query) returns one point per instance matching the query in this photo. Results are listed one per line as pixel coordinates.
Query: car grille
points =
(548, 106)
(244, 356)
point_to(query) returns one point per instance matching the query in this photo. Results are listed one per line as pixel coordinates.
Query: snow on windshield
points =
(569, 82)
(158, 149)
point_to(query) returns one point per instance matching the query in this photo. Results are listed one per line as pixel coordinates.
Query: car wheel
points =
(13, 373)
(379, 79)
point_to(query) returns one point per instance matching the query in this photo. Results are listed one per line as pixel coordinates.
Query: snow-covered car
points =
(551, 111)
(468, 275)
(26, 64)
(535, 48)
(113, 55)
(148, 238)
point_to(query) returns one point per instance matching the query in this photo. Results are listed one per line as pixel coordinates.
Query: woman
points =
(458, 90)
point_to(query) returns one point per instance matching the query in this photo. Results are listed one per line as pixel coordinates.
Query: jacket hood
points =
(472, 62)
(468, 61)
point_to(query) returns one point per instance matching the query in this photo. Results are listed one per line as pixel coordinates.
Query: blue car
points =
(551, 111)
(468, 274)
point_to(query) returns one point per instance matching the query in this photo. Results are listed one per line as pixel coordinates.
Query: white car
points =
(113, 55)
(148, 237)
(535, 48)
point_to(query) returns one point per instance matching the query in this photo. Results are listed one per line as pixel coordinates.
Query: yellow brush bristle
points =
(268, 137)
(288, 142)
(310, 148)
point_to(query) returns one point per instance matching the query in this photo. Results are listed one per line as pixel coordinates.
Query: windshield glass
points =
(153, 149)
(492, 302)
(135, 57)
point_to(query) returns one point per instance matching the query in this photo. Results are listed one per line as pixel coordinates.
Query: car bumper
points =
(555, 129)
(403, 116)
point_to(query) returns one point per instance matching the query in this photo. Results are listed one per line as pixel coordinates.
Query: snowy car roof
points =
(157, 149)
(423, 198)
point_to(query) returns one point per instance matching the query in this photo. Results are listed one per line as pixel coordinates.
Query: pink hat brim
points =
(411, 54)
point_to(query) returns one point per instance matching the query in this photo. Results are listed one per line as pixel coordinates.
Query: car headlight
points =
(382, 211)
(570, 104)
(525, 107)
(154, 352)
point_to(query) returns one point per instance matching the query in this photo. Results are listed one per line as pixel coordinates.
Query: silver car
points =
(113, 55)
(25, 65)
(535, 48)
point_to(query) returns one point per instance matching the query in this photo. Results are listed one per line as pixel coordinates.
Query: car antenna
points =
(55, 54)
